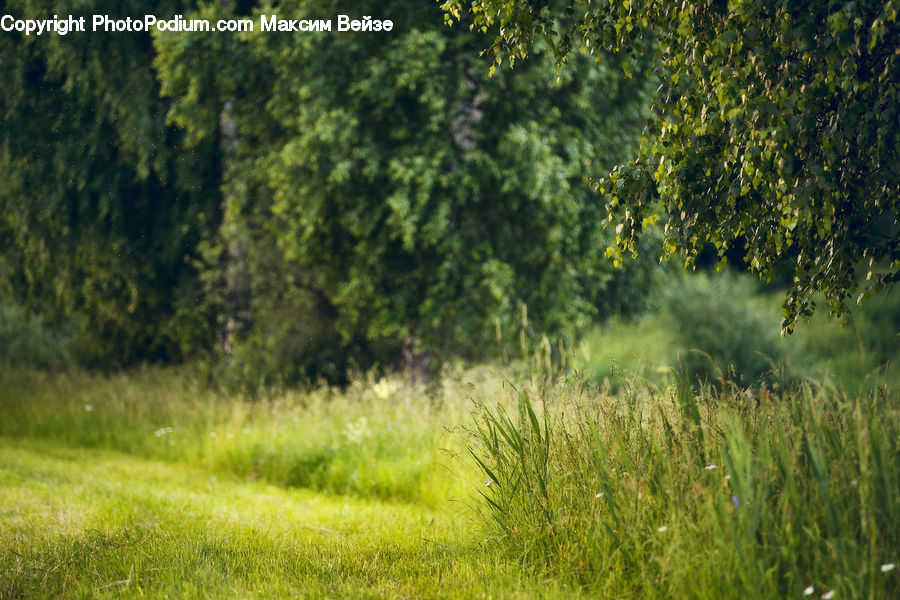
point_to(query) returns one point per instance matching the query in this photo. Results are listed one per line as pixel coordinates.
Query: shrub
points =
(28, 342)
(723, 328)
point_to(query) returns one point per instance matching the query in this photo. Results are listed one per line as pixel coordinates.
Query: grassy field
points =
(669, 493)
(149, 484)
(96, 523)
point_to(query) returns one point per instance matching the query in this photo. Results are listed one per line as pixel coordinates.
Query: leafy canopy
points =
(100, 210)
(406, 193)
(774, 126)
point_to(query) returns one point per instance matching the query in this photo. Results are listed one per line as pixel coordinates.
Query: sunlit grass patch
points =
(142, 527)
(379, 438)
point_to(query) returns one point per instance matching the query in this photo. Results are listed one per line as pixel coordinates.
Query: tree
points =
(775, 124)
(101, 212)
(412, 203)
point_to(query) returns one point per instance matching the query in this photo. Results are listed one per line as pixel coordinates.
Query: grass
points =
(351, 441)
(87, 523)
(485, 486)
(729, 330)
(671, 493)
(646, 349)
(328, 494)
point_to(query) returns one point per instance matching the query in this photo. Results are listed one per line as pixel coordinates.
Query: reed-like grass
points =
(675, 493)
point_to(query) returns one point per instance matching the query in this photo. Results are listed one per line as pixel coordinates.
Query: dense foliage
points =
(723, 330)
(30, 343)
(775, 126)
(390, 201)
(304, 202)
(100, 210)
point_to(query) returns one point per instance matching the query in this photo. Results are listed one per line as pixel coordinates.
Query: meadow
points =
(490, 483)
(639, 463)
(149, 484)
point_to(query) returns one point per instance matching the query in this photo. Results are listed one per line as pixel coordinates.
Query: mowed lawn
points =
(97, 523)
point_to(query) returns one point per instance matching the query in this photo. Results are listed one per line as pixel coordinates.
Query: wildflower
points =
(246, 431)
(888, 567)
(384, 389)
(357, 431)
(728, 478)
(735, 502)
(809, 591)
(598, 495)
(487, 483)
(212, 478)
(88, 408)
(212, 434)
(828, 595)
(710, 467)
(663, 528)
(230, 436)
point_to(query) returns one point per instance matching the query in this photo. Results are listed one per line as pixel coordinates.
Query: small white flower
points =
(888, 567)
(169, 430)
(212, 434)
(487, 483)
(358, 430)
(212, 479)
(246, 431)
(88, 408)
(710, 467)
(663, 528)
(809, 591)
(158, 432)
(384, 389)
(230, 436)
(828, 595)
(598, 495)
(728, 478)
(282, 427)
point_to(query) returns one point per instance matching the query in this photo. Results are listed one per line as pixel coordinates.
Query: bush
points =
(860, 353)
(28, 342)
(724, 328)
